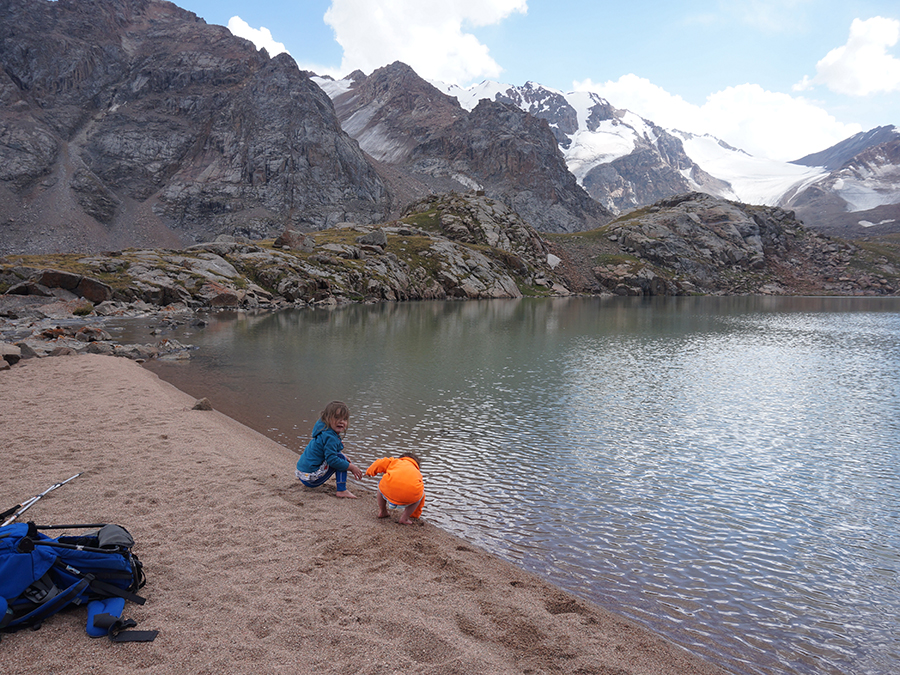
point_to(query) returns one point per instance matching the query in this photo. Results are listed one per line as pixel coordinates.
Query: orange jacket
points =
(402, 483)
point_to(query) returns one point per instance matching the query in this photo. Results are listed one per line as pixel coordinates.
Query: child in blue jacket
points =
(324, 454)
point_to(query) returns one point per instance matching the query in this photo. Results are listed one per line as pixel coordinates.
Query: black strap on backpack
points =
(115, 626)
(99, 586)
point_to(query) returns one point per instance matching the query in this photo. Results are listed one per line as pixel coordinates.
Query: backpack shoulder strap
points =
(35, 617)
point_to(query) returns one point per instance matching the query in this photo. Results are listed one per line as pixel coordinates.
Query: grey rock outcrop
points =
(452, 246)
(699, 244)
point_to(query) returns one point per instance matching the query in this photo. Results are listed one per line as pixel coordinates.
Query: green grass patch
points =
(71, 262)
(531, 291)
(415, 251)
(64, 262)
(632, 215)
(598, 235)
(430, 220)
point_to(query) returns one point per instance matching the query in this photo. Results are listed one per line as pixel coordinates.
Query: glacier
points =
(754, 180)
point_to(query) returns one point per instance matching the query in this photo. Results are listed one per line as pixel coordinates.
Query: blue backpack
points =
(40, 576)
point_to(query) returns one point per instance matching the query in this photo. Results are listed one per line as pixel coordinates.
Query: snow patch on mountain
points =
(468, 98)
(333, 88)
(590, 148)
(606, 141)
(863, 195)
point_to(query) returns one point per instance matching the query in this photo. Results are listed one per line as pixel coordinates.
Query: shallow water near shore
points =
(725, 471)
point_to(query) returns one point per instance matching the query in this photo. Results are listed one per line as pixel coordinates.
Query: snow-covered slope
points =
(333, 88)
(872, 177)
(755, 180)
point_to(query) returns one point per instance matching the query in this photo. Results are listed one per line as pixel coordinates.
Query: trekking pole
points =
(86, 526)
(19, 509)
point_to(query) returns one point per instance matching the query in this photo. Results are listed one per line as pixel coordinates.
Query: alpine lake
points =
(724, 471)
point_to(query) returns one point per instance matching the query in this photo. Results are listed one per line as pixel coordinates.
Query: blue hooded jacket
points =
(325, 447)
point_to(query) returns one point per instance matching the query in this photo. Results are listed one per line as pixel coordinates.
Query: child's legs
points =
(322, 474)
(413, 510)
(382, 506)
(340, 478)
(316, 479)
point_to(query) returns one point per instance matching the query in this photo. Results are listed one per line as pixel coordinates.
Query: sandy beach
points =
(250, 572)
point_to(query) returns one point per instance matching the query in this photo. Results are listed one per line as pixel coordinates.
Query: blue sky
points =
(777, 78)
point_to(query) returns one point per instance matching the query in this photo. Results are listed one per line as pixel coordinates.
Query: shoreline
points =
(249, 572)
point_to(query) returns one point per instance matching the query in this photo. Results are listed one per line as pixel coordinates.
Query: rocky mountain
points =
(133, 122)
(621, 159)
(430, 143)
(626, 162)
(859, 196)
(835, 157)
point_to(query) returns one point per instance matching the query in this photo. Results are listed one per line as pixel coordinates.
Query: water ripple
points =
(725, 471)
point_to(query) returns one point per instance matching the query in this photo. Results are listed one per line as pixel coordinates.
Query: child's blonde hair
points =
(336, 410)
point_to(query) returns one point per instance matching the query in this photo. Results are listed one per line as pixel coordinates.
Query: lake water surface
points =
(725, 471)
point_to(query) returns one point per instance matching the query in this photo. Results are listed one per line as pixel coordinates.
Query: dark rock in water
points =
(202, 404)
(92, 334)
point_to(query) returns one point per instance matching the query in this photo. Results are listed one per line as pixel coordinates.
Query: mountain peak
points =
(837, 155)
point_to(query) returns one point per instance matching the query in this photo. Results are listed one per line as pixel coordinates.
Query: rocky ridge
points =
(861, 194)
(625, 161)
(699, 244)
(457, 246)
(446, 247)
(656, 167)
(132, 123)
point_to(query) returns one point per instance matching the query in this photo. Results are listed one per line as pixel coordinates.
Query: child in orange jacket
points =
(401, 487)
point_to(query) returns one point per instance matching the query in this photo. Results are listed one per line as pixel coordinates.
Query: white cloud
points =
(261, 37)
(427, 35)
(763, 123)
(863, 66)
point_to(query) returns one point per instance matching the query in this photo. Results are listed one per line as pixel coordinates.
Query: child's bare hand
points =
(355, 471)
